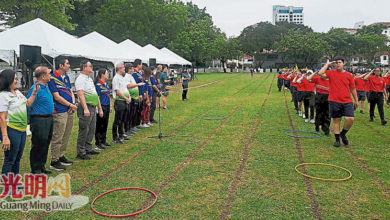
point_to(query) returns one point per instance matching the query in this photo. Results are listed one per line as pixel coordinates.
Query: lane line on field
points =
(314, 207)
(123, 163)
(244, 158)
(198, 149)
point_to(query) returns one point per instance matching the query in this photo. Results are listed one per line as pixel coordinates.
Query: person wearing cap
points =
(377, 93)
(321, 102)
(64, 108)
(41, 121)
(341, 86)
(86, 111)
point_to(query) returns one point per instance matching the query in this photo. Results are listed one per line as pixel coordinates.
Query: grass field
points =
(243, 166)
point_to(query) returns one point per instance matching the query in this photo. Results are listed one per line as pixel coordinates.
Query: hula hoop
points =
(296, 136)
(323, 179)
(127, 215)
(196, 140)
(213, 117)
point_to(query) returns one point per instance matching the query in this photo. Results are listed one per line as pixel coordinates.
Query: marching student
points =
(307, 97)
(377, 92)
(280, 81)
(299, 93)
(361, 90)
(341, 86)
(321, 103)
(294, 91)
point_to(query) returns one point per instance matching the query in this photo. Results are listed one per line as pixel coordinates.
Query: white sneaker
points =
(300, 113)
(303, 116)
(306, 120)
(150, 124)
(144, 126)
(312, 121)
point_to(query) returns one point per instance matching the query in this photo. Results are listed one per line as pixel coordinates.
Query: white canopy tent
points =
(135, 50)
(53, 41)
(8, 56)
(112, 50)
(179, 58)
(161, 57)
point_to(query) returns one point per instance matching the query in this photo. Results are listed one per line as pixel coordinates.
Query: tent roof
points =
(137, 50)
(181, 59)
(53, 41)
(161, 56)
(112, 49)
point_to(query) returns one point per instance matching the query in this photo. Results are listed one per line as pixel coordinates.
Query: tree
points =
(370, 45)
(341, 43)
(304, 49)
(224, 49)
(16, 12)
(375, 29)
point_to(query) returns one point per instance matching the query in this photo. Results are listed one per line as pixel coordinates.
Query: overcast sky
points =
(232, 16)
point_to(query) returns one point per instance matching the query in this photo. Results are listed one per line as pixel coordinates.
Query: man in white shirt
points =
(122, 99)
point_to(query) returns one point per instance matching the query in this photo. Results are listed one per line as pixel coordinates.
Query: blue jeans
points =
(12, 157)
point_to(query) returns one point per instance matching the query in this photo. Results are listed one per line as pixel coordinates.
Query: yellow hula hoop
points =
(324, 164)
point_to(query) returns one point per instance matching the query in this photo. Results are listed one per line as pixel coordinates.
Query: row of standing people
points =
(50, 106)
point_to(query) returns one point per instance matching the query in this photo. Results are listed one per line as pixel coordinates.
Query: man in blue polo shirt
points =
(64, 106)
(41, 121)
(154, 92)
(138, 76)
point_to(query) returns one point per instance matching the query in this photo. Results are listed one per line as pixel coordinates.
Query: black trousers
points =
(287, 84)
(153, 106)
(280, 84)
(41, 134)
(376, 98)
(133, 111)
(294, 94)
(127, 117)
(101, 126)
(388, 92)
(185, 90)
(322, 112)
(118, 125)
(308, 101)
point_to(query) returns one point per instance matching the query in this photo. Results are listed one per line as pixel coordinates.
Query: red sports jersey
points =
(360, 84)
(377, 84)
(340, 84)
(321, 85)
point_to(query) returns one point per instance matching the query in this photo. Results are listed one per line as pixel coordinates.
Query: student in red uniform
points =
(280, 80)
(387, 80)
(294, 91)
(341, 86)
(321, 102)
(377, 90)
(361, 90)
(299, 93)
(308, 98)
(286, 81)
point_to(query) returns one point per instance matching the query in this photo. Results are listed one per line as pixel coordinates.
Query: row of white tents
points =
(55, 42)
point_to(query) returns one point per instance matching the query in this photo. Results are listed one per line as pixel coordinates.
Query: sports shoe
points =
(144, 126)
(83, 157)
(154, 122)
(124, 139)
(99, 147)
(165, 108)
(384, 122)
(150, 124)
(371, 119)
(134, 129)
(300, 113)
(107, 144)
(361, 112)
(337, 144)
(65, 161)
(129, 133)
(117, 141)
(303, 116)
(307, 120)
(312, 121)
(44, 171)
(92, 152)
(344, 140)
(317, 128)
(56, 165)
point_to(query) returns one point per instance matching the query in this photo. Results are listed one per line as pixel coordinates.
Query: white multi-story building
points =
(289, 14)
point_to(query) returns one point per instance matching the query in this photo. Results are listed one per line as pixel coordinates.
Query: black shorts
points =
(361, 95)
(299, 96)
(338, 110)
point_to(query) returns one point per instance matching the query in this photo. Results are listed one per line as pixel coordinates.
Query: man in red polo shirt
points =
(341, 86)
(361, 90)
(321, 102)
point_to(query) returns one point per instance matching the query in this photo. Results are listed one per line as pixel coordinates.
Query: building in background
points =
(289, 14)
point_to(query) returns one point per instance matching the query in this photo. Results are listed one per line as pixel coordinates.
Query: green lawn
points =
(243, 166)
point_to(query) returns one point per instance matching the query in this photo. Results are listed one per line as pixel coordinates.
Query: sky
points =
(232, 16)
